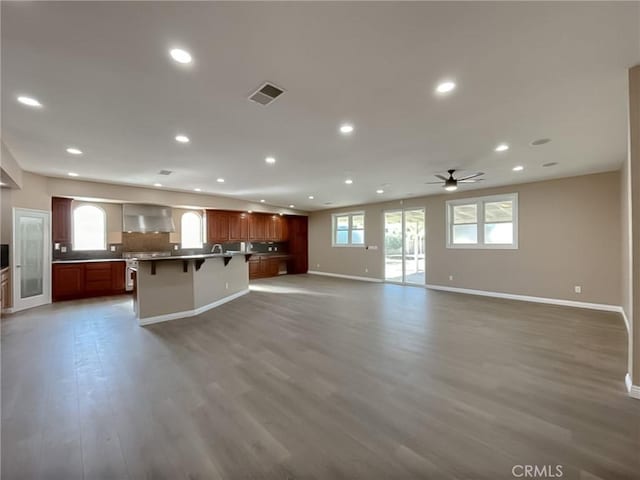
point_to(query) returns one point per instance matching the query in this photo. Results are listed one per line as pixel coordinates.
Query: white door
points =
(31, 258)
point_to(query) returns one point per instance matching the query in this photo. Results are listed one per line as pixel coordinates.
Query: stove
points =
(132, 264)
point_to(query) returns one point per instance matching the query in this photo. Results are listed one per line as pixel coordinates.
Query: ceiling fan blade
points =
(471, 180)
(433, 183)
(471, 176)
(441, 177)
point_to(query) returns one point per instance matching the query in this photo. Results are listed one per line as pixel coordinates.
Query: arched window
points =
(89, 228)
(191, 236)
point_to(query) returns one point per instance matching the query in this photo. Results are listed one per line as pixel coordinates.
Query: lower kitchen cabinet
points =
(87, 279)
(265, 266)
(5, 287)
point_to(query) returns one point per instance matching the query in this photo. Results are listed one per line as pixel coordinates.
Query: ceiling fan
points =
(451, 184)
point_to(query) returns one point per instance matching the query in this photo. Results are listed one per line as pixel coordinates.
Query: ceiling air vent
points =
(165, 172)
(266, 94)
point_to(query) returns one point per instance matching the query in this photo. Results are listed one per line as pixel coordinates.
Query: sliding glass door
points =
(404, 246)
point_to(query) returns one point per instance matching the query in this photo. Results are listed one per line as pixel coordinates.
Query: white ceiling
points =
(523, 70)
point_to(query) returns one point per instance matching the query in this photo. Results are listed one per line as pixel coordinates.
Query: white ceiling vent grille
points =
(266, 94)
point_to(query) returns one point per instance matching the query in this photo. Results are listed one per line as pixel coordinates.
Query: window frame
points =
(201, 218)
(73, 229)
(350, 215)
(480, 222)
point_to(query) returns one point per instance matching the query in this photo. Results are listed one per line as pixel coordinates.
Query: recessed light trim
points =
(270, 160)
(197, 189)
(292, 206)
(518, 168)
(29, 101)
(157, 184)
(73, 174)
(262, 200)
(311, 197)
(540, 141)
(346, 128)
(503, 147)
(180, 55)
(348, 181)
(220, 180)
(380, 190)
(74, 151)
(182, 138)
(446, 87)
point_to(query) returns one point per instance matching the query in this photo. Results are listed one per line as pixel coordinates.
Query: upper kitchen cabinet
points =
(61, 220)
(277, 230)
(217, 226)
(257, 227)
(238, 226)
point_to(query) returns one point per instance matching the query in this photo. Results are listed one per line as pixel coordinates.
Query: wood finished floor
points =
(312, 377)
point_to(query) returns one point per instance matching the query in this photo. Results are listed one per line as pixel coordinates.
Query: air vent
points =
(266, 94)
(165, 172)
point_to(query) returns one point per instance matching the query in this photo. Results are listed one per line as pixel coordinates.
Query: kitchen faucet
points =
(213, 249)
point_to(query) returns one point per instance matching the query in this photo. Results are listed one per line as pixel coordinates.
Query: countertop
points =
(177, 257)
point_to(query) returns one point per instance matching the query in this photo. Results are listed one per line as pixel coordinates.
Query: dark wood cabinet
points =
(298, 245)
(5, 288)
(67, 281)
(61, 220)
(238, 226)
(87, 279)
(217, 226)
(276, 228)
(263, 266)
(257, 227)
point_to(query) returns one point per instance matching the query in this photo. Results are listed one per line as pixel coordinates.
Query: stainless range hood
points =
(146, 218)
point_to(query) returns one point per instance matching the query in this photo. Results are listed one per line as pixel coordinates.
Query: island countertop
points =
(192, 257)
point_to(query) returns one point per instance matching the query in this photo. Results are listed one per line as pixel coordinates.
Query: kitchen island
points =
(169, 288)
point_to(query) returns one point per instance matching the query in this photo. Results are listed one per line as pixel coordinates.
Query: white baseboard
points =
(349, 277)
(191, 313)
(526, 298)
(634, 390)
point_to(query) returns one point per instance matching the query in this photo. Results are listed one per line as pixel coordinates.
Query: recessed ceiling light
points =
(72, 174)
(346, 128)
(262, 201)
(281, 214)
(182, 139)
(30, 101)
(550, 164)
(249, 211)
(380, 190)
(518, 168)
(220, 180)
(180, 56)
(157, 184)
(445, 87)
(197, 189)
(74, 151)
(292, 206)
(311, 197)
(503, 147)
(540, 141)
(270, 160)
(348, 181)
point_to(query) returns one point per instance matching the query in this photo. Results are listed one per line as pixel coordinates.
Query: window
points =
(191, 230)
(484, 222)
(89, 228)
(348, 229)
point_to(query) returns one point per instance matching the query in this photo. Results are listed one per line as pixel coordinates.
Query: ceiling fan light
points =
(450, 188)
